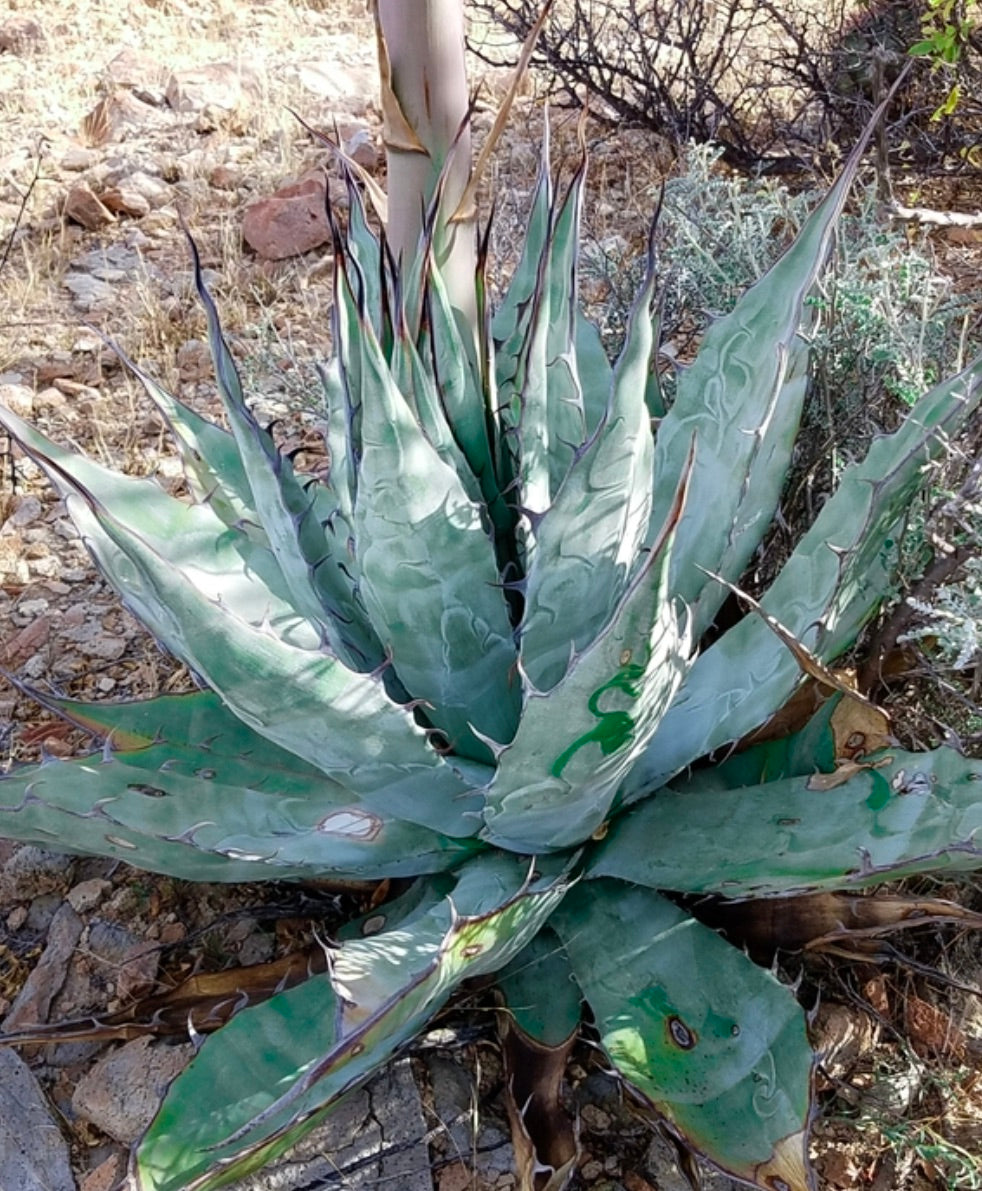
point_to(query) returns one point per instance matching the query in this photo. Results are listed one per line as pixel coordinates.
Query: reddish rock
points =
(107, 1176)
(224, 177)
(126, 200)
(83, 206)
(290, 222)
(18, 35)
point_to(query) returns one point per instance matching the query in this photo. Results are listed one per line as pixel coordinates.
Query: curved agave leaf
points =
(714, 1042)
(428, 573)
(833, 582)
(898, 813)
(217, 801)
(555, 783)
(212, 464)
(588, 541)
(564, 396)
(162, 809)
(226, 562)
(295, 1055)
(742, 399)
(295, 516)
(301, 698)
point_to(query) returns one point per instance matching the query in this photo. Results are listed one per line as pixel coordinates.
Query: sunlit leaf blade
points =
(833, 582)
(299, 697)
(555, 783)
(564, 396)
(459, 392)
(588, 542)
(295, 1055)
(594, 371)
(428, 573)
(741, 398)
(715, 1043)
(198, 720)
(166, 808)
(226, 563)
(211, 459)
(904, 813)
(295, 515)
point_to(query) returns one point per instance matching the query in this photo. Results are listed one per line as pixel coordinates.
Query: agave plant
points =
(476, 654)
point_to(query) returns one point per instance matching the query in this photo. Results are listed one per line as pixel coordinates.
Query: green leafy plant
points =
(946, 33)
(478, 655)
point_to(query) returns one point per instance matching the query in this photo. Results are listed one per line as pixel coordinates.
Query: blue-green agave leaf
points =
(833, 582)
(296, 517)
(539, 991)
(589, 540)
(295, 1055)
(203, 817)
(456, 376)
(296, 695)
(428, 573)
(715, 1043)
(742, 399)
(564, 397)
(226, 563)
(555, 783)
(212, 464)
(896, 814)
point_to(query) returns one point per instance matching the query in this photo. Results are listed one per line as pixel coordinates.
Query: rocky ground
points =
(118, 124)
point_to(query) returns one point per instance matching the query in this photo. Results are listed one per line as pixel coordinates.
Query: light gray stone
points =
(32, 871)
(121, 1093)
(33, 1003)
(375, 1138)
(33, 1152)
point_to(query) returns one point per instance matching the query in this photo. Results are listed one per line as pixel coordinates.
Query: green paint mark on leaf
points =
(880, 794)
(615, 727)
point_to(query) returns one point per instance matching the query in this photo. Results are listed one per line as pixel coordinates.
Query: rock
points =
(117, 956)
(154, 191)
(26, 643)
(18, 398)
(225, 177)
(32, 871)
(87, 894)
(89, 292)
(121, 1092)
(76, 159)
(194, 361)
(347, 88)
(290, 222)
(32, 1004)
(20, 35)
(107, 1176)
(140, 73)
(126, 200)
(223, 85)
(453, 1100)
(84, 207)
(375, 1138)
(33, 1153)
(661, 1167)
